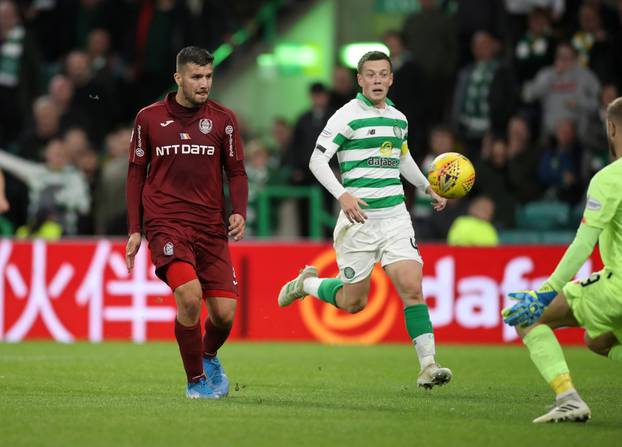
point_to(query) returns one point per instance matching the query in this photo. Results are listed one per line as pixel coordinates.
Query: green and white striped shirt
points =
(368, 142)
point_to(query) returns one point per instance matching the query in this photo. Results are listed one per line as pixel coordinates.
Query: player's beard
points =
(193, 98)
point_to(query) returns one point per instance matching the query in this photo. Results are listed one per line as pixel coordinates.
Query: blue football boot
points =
(216, 376)
(201, 390)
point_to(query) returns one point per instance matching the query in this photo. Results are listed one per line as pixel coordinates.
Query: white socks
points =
(311, 286)
(424, 344)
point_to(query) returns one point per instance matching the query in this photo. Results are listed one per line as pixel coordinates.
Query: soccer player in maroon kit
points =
(178, 151)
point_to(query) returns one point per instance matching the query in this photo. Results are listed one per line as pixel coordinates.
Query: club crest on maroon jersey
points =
(229, 129)
(168, 249)
(205, 125)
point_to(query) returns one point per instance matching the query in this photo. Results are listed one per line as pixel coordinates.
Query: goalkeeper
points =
(594, 303)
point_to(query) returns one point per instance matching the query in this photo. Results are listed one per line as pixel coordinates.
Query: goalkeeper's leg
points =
(548, 357)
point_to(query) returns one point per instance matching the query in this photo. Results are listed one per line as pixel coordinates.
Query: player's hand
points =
(530, 305)
(438, 202)
(133, 244)
(237, 225)
(351, 207)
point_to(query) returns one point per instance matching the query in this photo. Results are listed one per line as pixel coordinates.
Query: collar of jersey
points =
(366, 100)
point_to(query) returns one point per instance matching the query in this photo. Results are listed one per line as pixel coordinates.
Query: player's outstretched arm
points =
(411, 172)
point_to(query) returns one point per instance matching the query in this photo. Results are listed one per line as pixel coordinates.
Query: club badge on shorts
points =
(205, 125)
(168, 249)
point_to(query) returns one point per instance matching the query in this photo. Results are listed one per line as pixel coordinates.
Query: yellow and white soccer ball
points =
(451, 175)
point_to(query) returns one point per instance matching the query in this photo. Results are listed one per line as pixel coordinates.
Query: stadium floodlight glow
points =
(295, 55)
(351, 54)
(266, 60)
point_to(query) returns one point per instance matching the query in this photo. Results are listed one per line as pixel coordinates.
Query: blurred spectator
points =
(492, 180)
(441, 141)
(474, 16)
(161, 29)
(343, 89)
(110, 214)
(536, 48)
(58, 193)
(566, 90)
(60, 91)
(594, 135)
(211, 22)
(306, 131)
(46, 126)
(594, 46)
(523, 158)
(104, 66)
(475, 229)
(407, 92)
(558, 166)
(431, 38)
(257, 164)
(96, 101)
(19, 72)
(557, 170)
(76, 142)
(484, 96)
(281, 134)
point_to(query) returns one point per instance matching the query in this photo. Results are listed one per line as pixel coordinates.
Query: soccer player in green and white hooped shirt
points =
(368, 135)
(594, 303)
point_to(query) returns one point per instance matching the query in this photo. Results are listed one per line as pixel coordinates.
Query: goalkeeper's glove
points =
(530, 306)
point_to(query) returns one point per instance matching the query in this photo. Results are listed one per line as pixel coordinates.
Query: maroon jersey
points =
(185, 151)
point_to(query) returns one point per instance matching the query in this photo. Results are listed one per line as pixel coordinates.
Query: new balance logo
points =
(371, 132)
(166, 123)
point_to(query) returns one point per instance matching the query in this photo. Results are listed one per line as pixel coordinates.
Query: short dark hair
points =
(614, 111)
(373, 56)
(318, 87)
(194, 55)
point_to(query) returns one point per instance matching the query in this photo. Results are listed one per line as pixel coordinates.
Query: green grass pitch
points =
(290, 394)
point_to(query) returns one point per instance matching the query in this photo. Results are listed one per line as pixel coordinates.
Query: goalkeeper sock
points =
(615, 353)
(324, 288)
(419, 329)
(546, 353)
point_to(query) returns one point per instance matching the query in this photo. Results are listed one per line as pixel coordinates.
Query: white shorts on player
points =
(360, 246)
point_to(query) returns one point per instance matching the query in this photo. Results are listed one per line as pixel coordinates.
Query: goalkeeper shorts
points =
(596, 303)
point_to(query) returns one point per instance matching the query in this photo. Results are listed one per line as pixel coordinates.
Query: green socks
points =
(417, 320)
(546, 353)
(419, 329)
(328, 289)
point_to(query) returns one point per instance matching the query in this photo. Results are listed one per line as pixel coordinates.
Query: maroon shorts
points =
(208, 254)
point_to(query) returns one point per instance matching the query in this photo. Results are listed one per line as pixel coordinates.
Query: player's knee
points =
(412, 295)
(354, 305)
(597, 346)
(223, 318)
(188, 304)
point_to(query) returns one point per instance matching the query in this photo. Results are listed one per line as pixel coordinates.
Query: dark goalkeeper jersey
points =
(177, 157)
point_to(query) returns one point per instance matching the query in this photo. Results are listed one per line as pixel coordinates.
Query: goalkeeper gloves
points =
(530, 306)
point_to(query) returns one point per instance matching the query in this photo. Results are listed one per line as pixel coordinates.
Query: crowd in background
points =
(519, 86)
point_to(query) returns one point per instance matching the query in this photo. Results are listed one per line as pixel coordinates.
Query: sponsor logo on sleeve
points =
(326, 132)
(139, 142)
(205, 125)
(229, 131)
(593, 204)
(320, 148)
